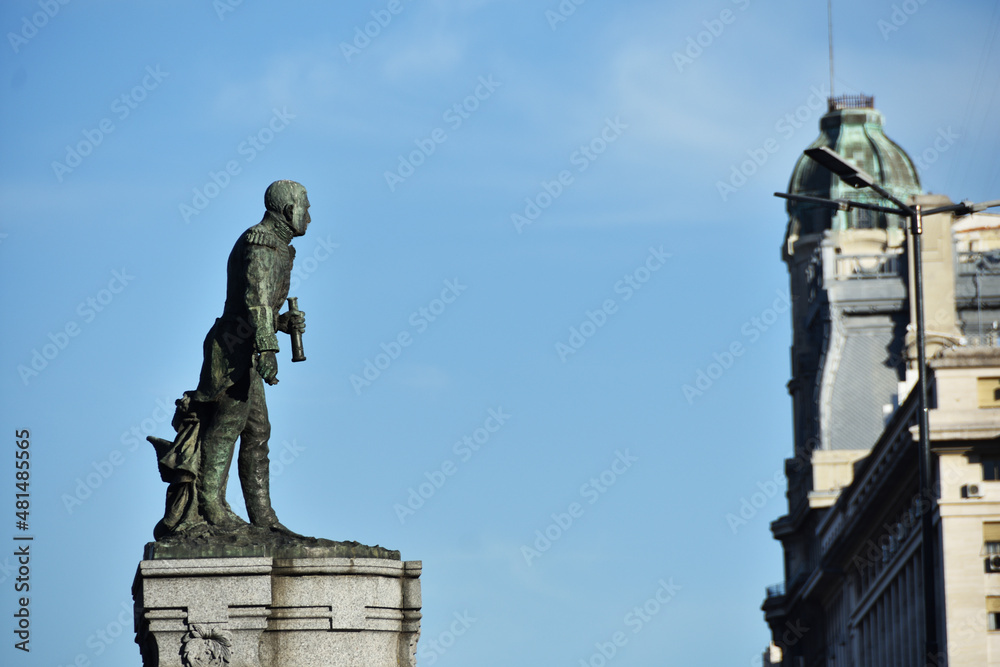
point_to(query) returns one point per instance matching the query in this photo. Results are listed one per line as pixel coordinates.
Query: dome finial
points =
(853, 129)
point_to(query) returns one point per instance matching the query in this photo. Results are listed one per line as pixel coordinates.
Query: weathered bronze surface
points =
(204, 541)
(239, 357)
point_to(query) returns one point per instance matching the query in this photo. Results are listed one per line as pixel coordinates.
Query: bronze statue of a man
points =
(240, 356)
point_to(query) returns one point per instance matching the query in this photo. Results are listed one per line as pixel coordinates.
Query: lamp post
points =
(858, 178)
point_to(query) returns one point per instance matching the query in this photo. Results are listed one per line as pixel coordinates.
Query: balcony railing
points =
(854, 267)
(983, 263)
(776, 591)
(988, 339)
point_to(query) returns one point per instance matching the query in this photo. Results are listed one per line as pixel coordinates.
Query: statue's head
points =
(288, 202)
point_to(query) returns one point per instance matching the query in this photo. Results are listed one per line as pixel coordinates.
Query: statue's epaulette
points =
(259, 236)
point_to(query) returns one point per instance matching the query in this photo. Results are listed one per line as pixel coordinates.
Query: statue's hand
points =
(292, 321)
(267, 366)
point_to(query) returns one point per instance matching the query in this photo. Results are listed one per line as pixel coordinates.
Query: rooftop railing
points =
(850, 102)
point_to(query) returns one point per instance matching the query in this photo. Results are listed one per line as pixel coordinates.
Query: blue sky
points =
(558, 180)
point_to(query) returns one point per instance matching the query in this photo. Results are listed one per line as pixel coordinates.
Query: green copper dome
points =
(853, 128)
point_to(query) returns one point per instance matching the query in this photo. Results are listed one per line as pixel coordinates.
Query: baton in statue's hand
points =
(297, 353)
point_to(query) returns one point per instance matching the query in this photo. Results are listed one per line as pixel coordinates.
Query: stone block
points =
(265, 611)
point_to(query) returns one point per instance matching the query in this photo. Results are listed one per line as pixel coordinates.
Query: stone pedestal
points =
(271, 612)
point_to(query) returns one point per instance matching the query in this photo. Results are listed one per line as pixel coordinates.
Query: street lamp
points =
(857, 178)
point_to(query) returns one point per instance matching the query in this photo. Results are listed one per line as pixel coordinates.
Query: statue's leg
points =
(253, 463)
(233, 517)
(217, 443)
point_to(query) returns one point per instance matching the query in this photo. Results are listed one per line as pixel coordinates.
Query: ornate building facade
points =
(851, 538)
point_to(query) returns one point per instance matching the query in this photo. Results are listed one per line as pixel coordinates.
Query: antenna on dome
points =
(829, 22)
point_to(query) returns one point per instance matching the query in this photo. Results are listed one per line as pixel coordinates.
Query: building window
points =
(991, 469)
(988, 390)
(991, 541)
(993, 613)
(864, 219)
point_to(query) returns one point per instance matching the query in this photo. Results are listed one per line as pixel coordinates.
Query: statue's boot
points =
(215, 457)
(232, 517)
(255, 479)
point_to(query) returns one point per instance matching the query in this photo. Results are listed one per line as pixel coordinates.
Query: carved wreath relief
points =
(206, 647)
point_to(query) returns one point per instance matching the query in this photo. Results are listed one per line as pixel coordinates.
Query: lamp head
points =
(847, 172)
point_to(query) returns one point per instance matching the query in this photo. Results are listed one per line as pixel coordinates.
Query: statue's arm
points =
(258, 300)
(258, 297)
